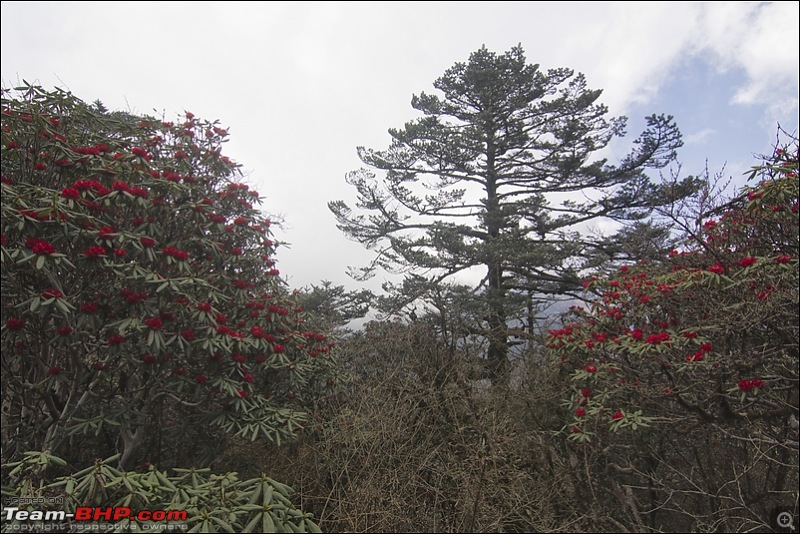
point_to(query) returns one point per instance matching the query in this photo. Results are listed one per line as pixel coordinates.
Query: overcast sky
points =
(301, 84)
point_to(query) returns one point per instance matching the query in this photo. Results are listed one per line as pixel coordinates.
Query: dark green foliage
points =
(505, 172)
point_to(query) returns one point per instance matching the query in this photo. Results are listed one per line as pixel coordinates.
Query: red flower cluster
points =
(105, 233)
(748, 261)
(94, 251)
(141, 152)
(257, 332)
(89, 308)
(154, 323)
(700, 354)
(52, 294)
(15, 323)
(749, 385)
(39, 246)
(85, 185)
(717, 268)
(135, 191)
(64, 331)
(181, 255)
(132, 297)
(657, 339)
(70, 192)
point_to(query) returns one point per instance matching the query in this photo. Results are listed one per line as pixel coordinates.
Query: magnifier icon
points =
(785, 520)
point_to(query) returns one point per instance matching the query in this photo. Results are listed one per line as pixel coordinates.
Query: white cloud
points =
(701, 137)
(761, 39)
(302, 84)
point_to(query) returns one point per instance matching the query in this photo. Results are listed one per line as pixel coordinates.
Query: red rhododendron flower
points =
(591, 369)
(586, 392)
(696, 357)
(749, 385)
(52, 294)
(201, 379)
(64, 331)
(154, 323)
(116, 339)
(242, 393)
(70, 192)
(617, 416)
(89, 308)
(94, 251)
(657, 339)
(39, 246)
(748, 261)
(580, 412)
(717, 268)
(15, 323)
(141, 152)
(783, 259)
(147, 241)
(257, 332)
(248, 377)
(148, 358)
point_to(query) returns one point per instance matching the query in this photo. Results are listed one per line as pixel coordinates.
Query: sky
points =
(300, 85)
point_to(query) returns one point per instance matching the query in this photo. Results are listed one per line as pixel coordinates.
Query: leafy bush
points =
(142, 313)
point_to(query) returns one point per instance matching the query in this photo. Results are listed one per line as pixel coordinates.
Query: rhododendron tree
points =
(141, 303)
(685, 367)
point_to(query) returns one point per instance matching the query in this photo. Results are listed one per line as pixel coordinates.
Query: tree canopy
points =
(506, 171)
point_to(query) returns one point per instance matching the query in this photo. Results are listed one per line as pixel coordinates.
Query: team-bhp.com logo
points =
(90, 513)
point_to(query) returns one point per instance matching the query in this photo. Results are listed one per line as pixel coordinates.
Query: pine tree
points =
(504, 171)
